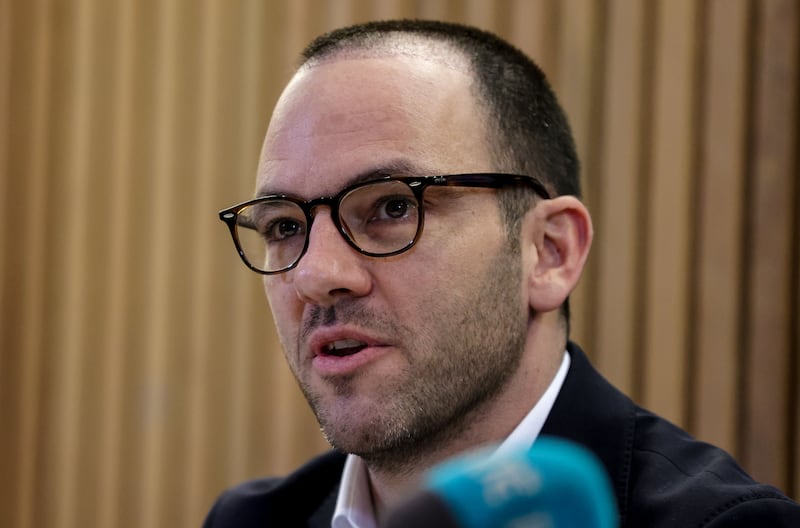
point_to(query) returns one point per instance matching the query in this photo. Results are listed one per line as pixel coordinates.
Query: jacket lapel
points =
(591, 412)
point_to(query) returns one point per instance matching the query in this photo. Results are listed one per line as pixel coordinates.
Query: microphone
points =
(554, 484)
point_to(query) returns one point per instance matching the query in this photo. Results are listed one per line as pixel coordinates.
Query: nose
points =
(331, 268)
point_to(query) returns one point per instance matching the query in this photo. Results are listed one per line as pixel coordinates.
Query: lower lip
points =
(340, 365)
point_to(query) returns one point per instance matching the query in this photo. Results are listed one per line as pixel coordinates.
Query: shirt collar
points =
(354, 502)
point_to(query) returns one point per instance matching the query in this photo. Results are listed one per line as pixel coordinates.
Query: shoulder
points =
(662, 476)
(677, 480)
(282, 501)
(756, 510)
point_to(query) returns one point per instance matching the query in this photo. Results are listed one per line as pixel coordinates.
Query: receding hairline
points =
(394, 44)
(397, 44)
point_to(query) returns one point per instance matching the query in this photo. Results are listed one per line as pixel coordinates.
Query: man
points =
(418, 224)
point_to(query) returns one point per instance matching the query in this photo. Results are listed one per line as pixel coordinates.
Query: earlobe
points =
(559, 235)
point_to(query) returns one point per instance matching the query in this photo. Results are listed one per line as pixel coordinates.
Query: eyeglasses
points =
(378, 218)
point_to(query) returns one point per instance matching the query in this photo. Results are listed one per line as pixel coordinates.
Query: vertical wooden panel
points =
(617, 215)
(120, 216)
(772, 191)
(526, 29)
(163, 317)
(794, 486)
(10, 498)
(549, 24)
(720, 224)
(6, 16)
(71, 324)
(20, 387)
(339, 13)
(669, 210)
(96, 270)
(137, 389)
(534, 25)
(578, 46)
(482, 14)
(387, 9)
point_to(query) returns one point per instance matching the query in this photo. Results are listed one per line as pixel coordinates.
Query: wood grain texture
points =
(140, 372)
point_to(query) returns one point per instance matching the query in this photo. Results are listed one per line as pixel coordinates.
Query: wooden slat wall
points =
(772, 265)
(139, 369)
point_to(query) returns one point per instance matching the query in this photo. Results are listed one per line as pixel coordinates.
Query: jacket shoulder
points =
(677, 480)
(662, 476)
(755, 510)
(280, 501)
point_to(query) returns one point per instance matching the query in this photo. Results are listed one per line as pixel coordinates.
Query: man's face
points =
(392, 352)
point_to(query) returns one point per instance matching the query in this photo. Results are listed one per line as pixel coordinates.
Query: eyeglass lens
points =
(378, 218)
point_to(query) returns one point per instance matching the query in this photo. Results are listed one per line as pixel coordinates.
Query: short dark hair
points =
(528, 130)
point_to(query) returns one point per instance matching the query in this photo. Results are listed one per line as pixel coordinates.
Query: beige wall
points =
(139, 372)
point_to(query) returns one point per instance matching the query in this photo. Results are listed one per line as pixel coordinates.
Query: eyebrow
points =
(395, 167)
(399, 167)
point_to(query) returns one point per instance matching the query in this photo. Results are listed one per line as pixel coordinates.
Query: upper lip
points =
(321, 340)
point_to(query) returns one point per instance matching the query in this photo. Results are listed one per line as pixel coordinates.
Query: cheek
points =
(457, 257)
(284, 305)
(417, 289)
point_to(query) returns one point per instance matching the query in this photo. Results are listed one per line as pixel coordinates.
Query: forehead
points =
(350, 115)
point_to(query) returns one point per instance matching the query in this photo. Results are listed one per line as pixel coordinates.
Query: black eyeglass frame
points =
(418, 184)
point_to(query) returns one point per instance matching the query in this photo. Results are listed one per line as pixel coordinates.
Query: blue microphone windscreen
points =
(555, 484)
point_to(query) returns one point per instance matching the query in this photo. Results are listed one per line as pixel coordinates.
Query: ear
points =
(556, 236)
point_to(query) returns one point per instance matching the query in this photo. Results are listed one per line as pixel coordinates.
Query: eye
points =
(276, 220)
(282, 229)
(393, 208)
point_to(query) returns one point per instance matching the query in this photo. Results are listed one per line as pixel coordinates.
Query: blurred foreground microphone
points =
(555, 484)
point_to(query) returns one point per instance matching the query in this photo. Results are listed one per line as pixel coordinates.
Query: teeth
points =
(344, 344)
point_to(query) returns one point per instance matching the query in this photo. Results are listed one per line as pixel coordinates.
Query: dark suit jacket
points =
(662, 477)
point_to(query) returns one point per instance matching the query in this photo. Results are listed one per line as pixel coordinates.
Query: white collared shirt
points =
(354, 502)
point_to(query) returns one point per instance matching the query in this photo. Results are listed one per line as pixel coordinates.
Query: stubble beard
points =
(458, 365)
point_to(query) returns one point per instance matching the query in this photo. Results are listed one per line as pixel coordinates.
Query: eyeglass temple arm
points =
(493, 181)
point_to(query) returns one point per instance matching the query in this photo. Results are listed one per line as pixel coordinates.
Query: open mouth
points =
(344, 347)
